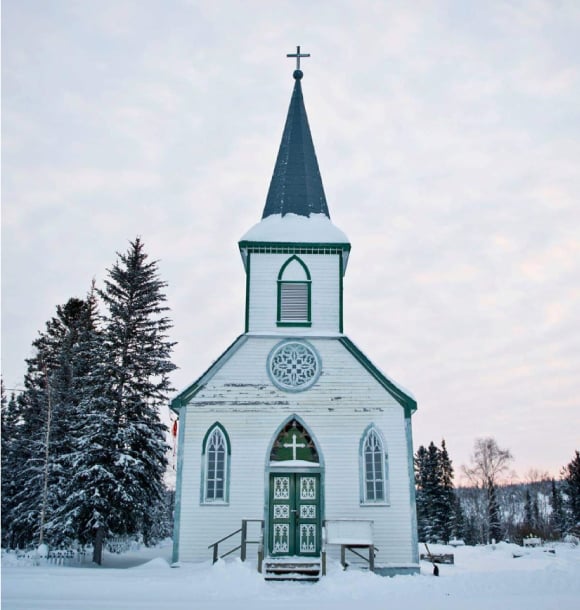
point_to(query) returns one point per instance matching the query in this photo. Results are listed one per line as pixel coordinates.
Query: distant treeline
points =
(491, 508)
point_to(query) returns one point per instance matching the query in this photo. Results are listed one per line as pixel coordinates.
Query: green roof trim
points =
(186, 395)
(283, 246)
(293, 247)
(406, 401)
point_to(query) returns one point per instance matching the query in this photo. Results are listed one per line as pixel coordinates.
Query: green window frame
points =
(294, 297)
(216, 457)
(374, 473)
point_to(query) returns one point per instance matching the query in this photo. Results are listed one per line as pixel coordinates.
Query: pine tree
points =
(85, 457)
(435, 493)
(558, 516)
(571, 477)
(10, 463)
(446, 495)
(459, 529)
(422, 501)
(137, 368)
(42, 434)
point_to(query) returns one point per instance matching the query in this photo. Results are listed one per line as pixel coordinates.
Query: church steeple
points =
(296, 186)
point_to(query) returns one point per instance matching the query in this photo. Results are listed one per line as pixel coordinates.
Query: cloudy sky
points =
(448, 138)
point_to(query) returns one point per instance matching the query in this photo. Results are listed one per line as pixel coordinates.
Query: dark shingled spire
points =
(296, 186)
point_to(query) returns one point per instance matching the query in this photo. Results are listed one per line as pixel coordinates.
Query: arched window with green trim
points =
(373, 468)
(216, 466)
(294, 294)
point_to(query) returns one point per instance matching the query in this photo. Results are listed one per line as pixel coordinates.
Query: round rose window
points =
(293, 366)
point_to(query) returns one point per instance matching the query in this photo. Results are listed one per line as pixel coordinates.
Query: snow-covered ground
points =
(483, 578)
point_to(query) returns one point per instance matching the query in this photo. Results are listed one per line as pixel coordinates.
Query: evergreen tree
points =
(558, 516)
(459, 530)
(422, 502)
(495, 525)
(137, 368)
(9, 463)
(528, 511)
(571, 477)
(42, 434)
(446, 501)
(435, 494)
(86, 456)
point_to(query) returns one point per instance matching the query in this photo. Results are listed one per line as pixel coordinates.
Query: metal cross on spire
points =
(298, 55)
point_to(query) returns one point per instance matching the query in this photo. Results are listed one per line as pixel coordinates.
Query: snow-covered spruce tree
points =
(571, 478)
(41, 437)
(90, 430)
(137, 368)
(422, 500)
(10, 462)
(446, 503)
(558, 515)
(435, 493)
(459, 529)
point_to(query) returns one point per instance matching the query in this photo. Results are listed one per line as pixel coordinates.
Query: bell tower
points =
(295, 257)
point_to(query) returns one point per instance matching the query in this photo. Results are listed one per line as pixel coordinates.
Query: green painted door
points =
(294, 514)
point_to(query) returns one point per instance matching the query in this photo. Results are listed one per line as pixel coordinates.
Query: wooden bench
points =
(532, 541)
(352, 535)
(447, 558)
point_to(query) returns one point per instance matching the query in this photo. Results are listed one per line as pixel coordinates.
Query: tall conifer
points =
(137, 367)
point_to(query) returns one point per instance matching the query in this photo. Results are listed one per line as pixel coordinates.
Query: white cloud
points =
(447, 137)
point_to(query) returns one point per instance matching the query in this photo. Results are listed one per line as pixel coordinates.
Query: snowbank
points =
(483, 578)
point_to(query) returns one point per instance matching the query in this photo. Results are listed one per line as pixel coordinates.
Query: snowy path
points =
(482, 579)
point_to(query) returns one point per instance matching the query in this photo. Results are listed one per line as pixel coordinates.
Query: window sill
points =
(371, 504)
(215, 503)
(303, 324)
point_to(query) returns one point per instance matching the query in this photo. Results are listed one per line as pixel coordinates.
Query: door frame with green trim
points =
(295, 514)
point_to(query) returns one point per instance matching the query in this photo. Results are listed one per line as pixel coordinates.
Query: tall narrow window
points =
(294, 294)
(374, 468)
(216, 465)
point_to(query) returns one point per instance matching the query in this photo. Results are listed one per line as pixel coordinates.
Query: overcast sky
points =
(448, 138)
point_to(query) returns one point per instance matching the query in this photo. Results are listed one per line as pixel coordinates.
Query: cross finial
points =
(298, 55)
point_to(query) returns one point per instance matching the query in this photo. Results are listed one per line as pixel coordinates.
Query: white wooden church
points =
(293, 439)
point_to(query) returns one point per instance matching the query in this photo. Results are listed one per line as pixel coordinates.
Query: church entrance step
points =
(292, 568)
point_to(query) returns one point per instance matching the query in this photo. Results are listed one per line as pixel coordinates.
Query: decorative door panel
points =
(294, 514)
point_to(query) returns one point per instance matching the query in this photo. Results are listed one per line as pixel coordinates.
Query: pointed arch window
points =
(374, 471)
(294, 298)
(294, 443)
(216, 466)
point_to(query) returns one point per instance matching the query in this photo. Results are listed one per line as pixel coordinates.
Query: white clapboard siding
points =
(325, 291)
(337, 410)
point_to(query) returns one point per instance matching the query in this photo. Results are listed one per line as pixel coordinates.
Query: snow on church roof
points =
(316, 228)
(296, 209)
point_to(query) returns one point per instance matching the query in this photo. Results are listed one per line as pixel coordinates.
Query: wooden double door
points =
(295, 519)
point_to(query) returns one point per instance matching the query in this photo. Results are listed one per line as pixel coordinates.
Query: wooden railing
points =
(242, 547)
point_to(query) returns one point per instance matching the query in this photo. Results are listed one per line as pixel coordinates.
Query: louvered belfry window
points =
(294, 294)
(294, 301)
